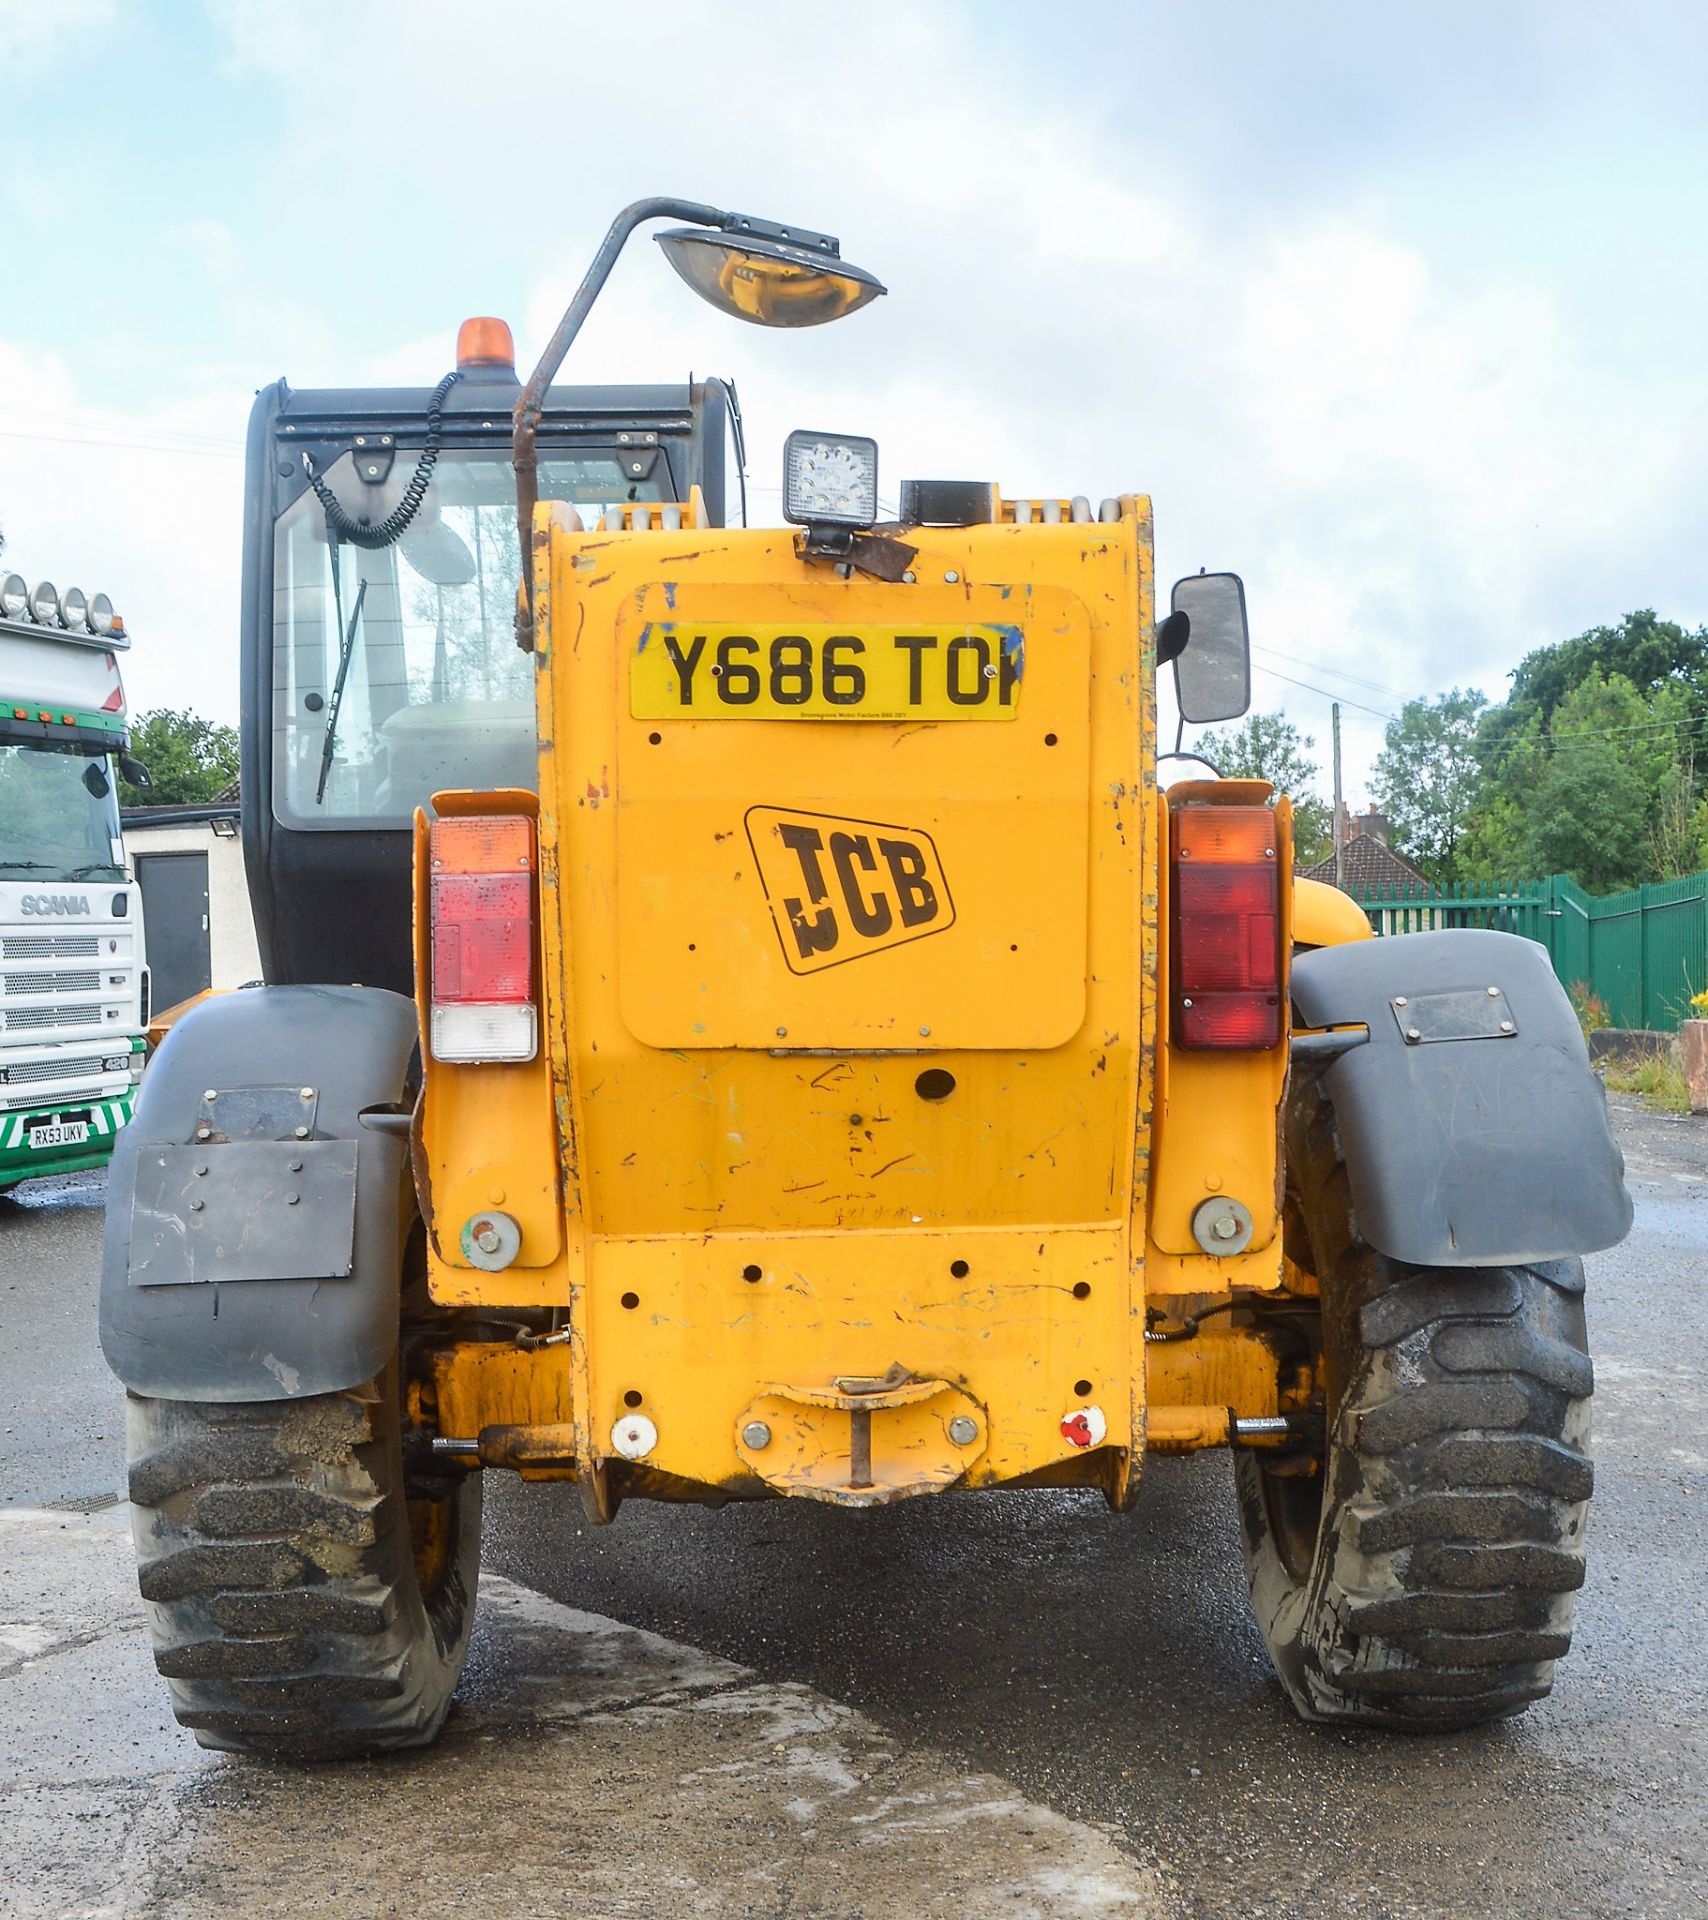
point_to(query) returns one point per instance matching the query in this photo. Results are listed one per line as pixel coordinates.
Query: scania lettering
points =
(72, 976)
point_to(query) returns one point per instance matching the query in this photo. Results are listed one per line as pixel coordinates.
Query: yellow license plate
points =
(718, 670)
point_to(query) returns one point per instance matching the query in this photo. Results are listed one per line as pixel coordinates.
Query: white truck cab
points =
(73, 978)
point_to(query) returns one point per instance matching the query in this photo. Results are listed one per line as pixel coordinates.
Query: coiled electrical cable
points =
(396, 523)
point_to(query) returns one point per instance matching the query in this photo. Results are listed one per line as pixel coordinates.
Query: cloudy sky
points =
(1399, 310)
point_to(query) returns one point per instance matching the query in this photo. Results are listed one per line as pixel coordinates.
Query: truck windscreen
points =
(404, 658)
(59, 815)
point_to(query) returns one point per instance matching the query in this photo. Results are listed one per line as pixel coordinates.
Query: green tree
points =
(1587, 818)
(189, 759)
(1613, 759)
(1642, 649)
(1604, 788)
(1650, 654)
(1427, 777)
(1264, 746)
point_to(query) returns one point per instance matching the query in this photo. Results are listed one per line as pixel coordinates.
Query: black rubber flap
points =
(1490, 1149)
(251, 1295)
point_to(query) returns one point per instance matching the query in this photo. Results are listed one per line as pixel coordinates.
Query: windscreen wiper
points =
(346, 649)
(94, 867)
(33, 866)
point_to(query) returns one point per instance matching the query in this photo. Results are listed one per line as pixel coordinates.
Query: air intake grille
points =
(20, 1019)
(49, 946)
(26, 1072)
(50, 982)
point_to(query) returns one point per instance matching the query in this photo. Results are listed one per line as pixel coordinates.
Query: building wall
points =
(233, 953)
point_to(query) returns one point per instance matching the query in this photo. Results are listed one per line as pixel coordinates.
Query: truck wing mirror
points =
(134, 773)
(1212, 669)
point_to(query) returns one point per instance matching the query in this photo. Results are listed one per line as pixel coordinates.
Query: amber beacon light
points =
(485, 342)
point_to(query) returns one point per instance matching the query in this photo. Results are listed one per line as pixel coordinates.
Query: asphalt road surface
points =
(1102, 1669)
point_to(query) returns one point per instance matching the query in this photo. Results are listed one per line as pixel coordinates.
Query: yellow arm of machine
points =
(1323, 916)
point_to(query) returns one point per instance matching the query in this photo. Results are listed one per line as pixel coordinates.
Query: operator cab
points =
(380, 664)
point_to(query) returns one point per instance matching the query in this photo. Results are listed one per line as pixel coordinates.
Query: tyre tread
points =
(1440, 1595)
(273, 1552)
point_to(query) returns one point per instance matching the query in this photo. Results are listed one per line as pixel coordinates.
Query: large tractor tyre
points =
(303, 1601)
(1422, 1576)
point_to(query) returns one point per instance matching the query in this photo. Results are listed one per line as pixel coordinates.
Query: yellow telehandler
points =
(801, 1051)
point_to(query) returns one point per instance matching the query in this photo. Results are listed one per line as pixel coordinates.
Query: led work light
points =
(829, 480)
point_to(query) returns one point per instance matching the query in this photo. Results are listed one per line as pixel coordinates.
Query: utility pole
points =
(1339, 804)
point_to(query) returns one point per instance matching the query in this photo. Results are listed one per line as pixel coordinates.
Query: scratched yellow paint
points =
(850, 1032)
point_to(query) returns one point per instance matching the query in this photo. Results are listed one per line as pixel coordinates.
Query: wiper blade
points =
(346, 651)
(33, 866)
(94, 867)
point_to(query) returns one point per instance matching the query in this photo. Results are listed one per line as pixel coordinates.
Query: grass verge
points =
(1657, 1081)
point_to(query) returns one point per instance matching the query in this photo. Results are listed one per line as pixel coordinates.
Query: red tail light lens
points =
(481, 924)
(1227, 928)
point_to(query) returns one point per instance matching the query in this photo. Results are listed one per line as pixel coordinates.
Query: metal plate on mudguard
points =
(257, 1113)
(1469, 1013)
(247, 1210)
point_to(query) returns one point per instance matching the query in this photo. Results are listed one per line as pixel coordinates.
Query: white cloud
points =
(145, 507)
(33, 33)
(1422, 470)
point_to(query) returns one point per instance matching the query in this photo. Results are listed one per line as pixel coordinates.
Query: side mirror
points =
(95, 779)
(1212, 671)
(439, 554)
(133, 773)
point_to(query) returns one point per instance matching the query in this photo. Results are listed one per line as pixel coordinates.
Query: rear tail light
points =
(1227, 927)
(481, 921)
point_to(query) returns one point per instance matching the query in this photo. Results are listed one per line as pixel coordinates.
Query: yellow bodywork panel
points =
(1323, 916)
(849, 914)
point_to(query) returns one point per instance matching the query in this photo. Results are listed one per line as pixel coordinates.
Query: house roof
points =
(1367, 865)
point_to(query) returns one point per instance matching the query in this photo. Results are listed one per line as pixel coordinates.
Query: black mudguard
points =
(254, 1226)
(1474, 1130)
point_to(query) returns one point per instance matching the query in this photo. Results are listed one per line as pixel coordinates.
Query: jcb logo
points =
(840, 889)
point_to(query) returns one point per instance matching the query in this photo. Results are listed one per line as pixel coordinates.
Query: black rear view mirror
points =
(134, 773)
(1212, 670)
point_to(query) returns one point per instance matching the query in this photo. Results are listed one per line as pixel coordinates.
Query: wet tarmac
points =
(1107, 1666)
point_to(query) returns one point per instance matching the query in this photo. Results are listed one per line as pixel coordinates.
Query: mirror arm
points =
(531, 401)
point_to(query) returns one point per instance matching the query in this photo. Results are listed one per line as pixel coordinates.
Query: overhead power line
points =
(1334, 673)
(1310, 687)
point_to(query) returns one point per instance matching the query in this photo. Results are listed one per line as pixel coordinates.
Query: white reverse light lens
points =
(14, 596)
(830, 480)
(472, 1030)
(74, 609)
(101, 614)
(44, 603)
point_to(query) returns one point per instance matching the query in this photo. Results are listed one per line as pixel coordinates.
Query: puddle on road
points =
(589, 1768)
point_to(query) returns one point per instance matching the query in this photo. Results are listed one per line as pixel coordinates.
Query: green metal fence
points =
(1643, 953)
